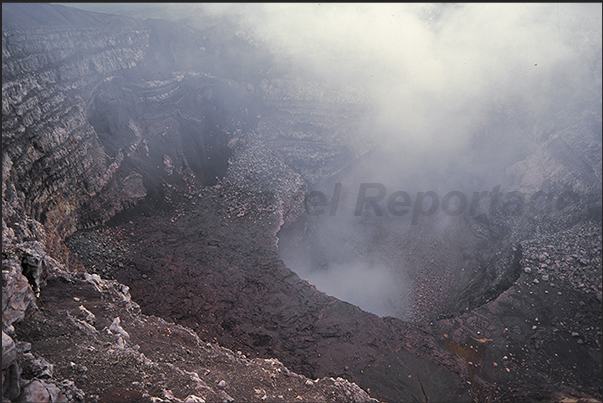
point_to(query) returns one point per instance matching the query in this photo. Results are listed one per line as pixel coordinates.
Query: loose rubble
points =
(169, 180)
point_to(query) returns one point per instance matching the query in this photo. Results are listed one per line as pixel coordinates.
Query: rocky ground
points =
(528, 336)
(82, 106)
(513, 347)
(97, 338)
(100, 348)
(171, 181)
(222, 276)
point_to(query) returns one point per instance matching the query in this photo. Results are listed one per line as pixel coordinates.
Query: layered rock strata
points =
(200, 159)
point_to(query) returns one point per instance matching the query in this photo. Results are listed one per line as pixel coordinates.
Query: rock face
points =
(86, 134)
(101, 342)
(171, 168)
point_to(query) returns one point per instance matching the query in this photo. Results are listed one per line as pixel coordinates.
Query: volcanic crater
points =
(158, 225)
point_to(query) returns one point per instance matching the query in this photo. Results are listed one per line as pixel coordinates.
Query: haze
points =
(438, 77)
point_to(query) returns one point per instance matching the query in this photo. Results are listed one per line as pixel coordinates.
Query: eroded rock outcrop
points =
(86, 134)
(98, 340)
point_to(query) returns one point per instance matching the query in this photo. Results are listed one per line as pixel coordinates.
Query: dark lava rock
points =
(97, 339)
(170, 176)
(241, 295)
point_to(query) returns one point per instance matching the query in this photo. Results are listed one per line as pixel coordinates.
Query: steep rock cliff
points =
(96, 116)
(201, 156)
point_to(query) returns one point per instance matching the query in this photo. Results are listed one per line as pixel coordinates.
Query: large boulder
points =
(11, 372)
